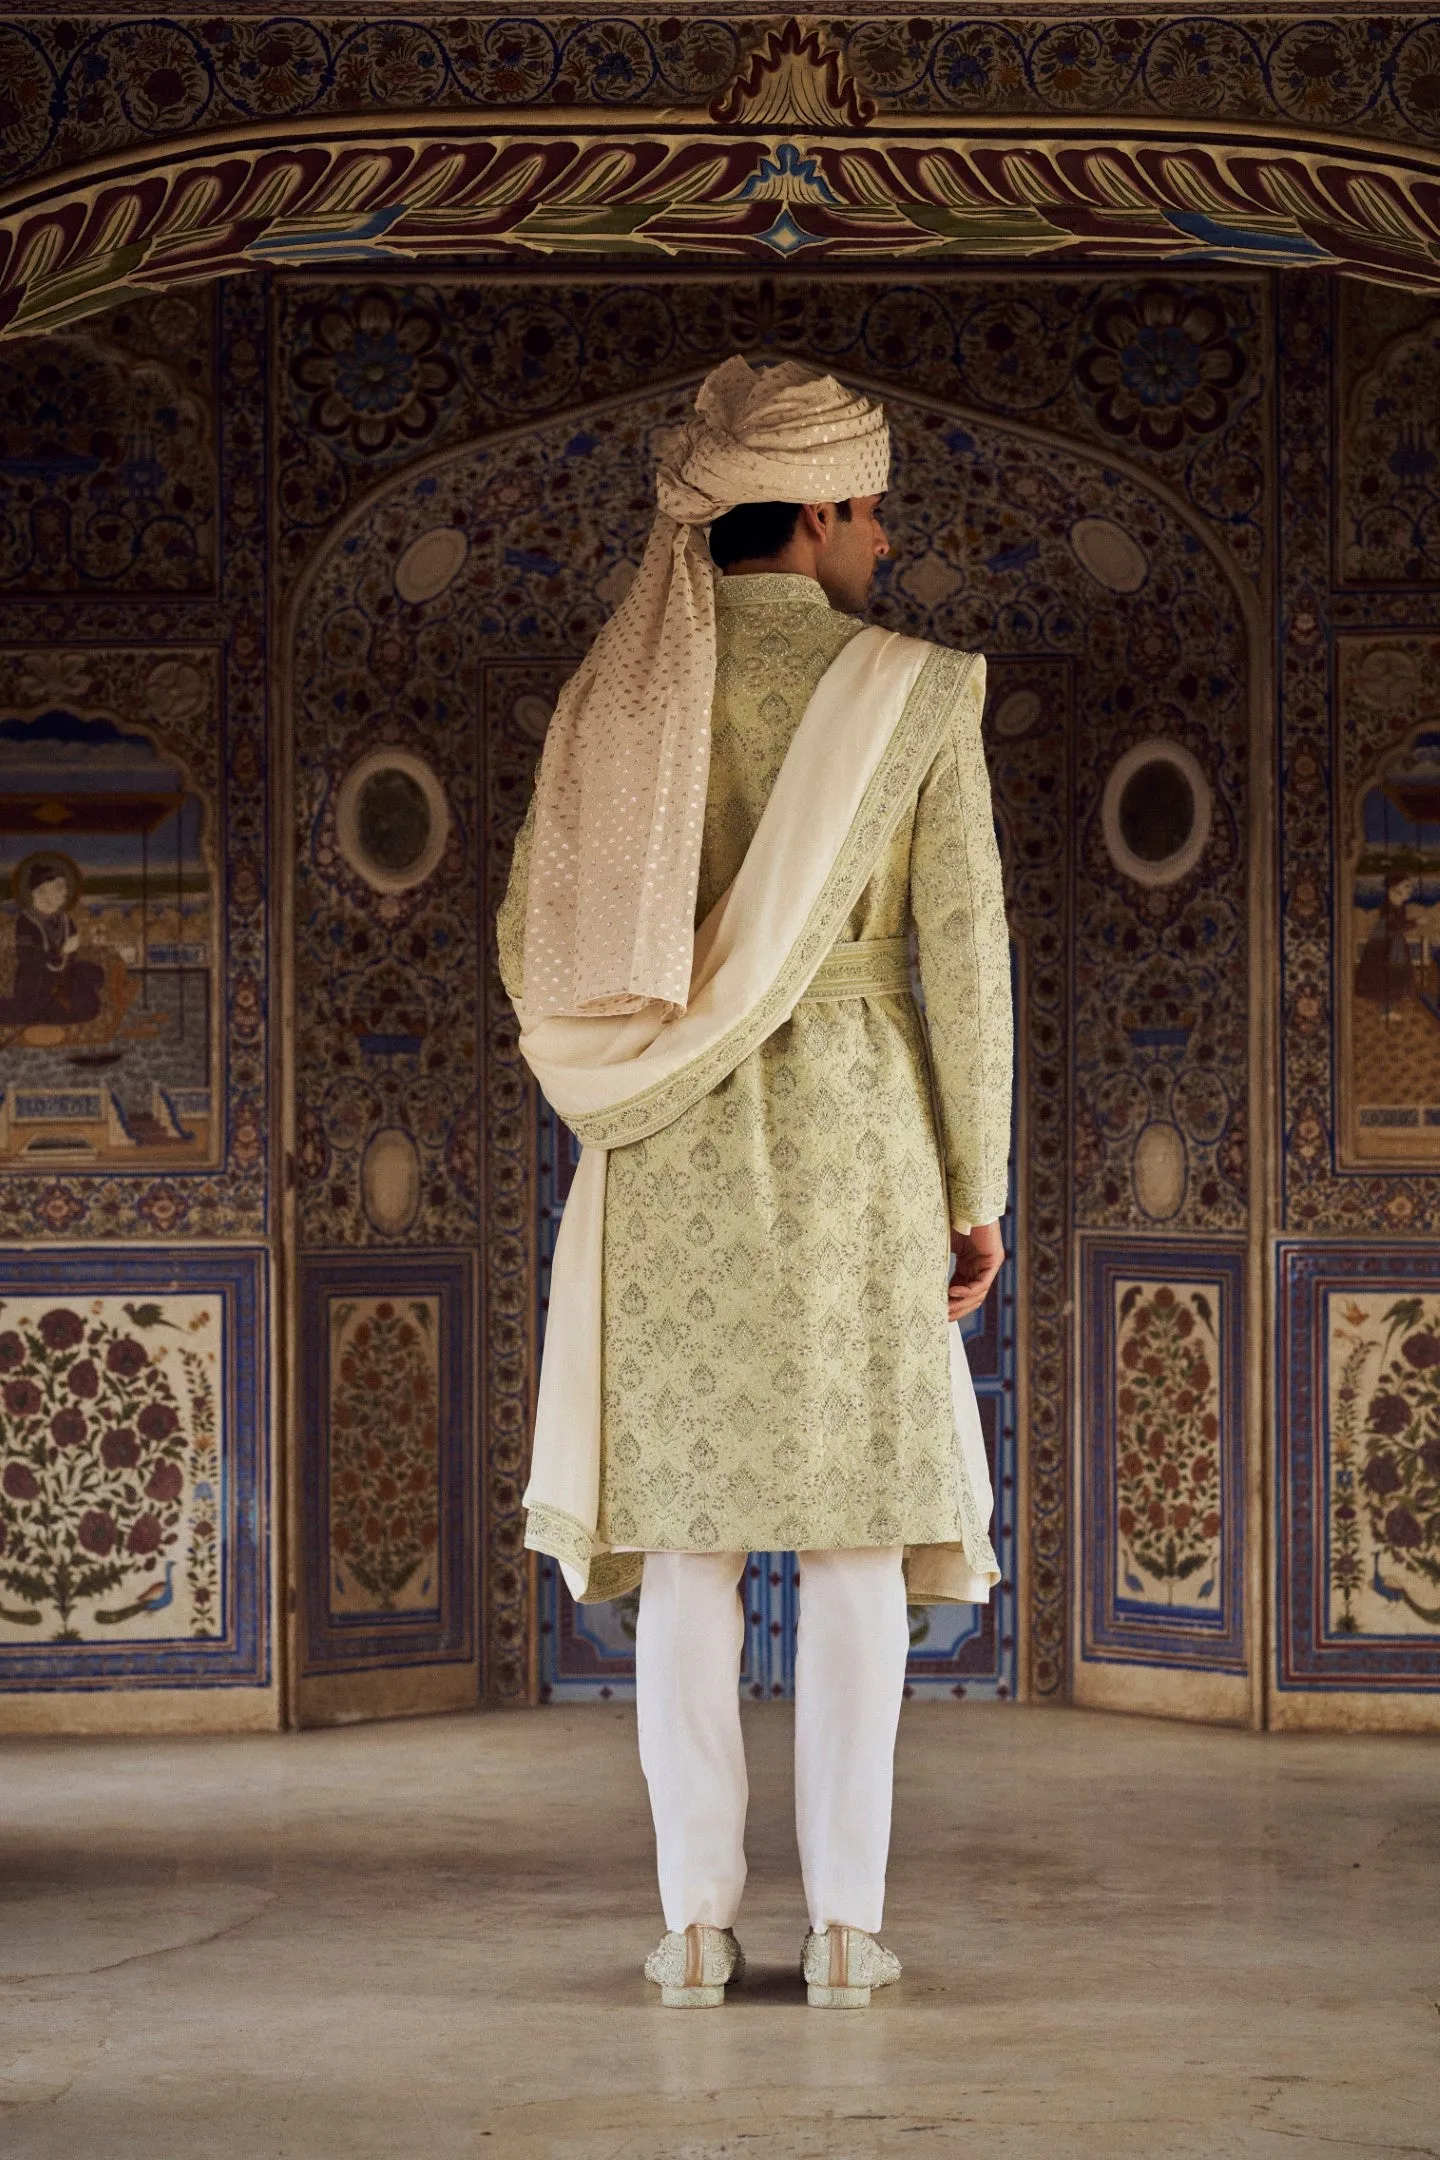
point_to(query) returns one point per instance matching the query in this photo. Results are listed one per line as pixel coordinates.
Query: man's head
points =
(49, 890)
(838, 544)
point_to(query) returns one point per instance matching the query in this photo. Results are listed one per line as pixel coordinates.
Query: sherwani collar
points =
(770, 588)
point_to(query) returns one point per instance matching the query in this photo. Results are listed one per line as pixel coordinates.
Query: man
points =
(746, 804)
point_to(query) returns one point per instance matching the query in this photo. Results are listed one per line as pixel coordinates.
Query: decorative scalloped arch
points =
(829, 184)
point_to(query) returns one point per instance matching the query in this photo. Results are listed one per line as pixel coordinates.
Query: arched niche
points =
(1109, 616)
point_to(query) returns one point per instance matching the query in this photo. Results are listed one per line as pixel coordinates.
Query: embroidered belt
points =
(865, 967)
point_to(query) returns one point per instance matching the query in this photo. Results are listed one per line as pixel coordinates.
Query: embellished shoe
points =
(842, 1964)
(692, 1969)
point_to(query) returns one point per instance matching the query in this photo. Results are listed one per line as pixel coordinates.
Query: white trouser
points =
(853, 1642)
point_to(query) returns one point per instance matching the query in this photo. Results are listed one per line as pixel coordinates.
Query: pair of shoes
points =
(692, 1969)
(842, 1964)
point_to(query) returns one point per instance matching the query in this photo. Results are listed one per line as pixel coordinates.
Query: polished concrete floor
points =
(1123, 1939)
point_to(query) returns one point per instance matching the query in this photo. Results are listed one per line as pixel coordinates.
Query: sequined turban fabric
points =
(620, 804)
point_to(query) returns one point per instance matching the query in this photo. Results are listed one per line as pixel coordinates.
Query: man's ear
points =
(817, 520)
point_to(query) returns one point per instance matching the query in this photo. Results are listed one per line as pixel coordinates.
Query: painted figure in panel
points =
(747, 804)
(1395, 980)
(107, 923)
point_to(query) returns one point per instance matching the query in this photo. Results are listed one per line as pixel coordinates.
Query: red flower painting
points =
(1167, 1434)
(92, 1463)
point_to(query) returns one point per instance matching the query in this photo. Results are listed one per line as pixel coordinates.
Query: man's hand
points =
(979, 1256)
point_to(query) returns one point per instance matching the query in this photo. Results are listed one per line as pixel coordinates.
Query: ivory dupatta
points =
(869, 734)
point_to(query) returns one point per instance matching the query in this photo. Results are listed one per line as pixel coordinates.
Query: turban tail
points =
(620, 803)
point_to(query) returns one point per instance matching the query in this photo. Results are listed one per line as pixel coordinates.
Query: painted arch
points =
(791, 162)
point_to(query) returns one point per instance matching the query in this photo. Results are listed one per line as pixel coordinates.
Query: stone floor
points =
(1123, 1939)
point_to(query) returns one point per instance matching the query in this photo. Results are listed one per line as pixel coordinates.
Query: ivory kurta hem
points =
(775, 1343)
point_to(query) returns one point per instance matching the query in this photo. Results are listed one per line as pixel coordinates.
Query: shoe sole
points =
(837, 1998)
(692, 1998)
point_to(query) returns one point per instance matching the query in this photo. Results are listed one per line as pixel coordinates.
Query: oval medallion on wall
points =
(1112, 556)
(390, 1181)
(1156, 812)
(1159, 1166)
(431, 563)
(392, 820)
(1017, 713)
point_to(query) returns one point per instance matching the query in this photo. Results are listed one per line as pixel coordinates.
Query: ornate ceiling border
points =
(791, 162)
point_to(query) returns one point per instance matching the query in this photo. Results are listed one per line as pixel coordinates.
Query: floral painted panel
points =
(1384, 1501)
(1167, 1438)
(388, 1462)
(384, 1454)
(1162, 1456)
(109, 1469)
(134, 1473)
(1357, 1468)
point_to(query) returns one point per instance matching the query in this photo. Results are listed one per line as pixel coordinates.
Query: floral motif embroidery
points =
(1168, 1433)
(720, 1426)
(384, 1454)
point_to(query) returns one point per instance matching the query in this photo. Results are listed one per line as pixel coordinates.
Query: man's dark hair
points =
(752, 531)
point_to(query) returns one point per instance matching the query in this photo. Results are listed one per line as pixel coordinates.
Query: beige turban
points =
(620, 806)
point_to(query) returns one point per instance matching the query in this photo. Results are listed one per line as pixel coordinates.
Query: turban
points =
(620, 803)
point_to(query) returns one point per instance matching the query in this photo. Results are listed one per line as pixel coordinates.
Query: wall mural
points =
(388, 1468)
(1388, 472)
(1349, 705)
(791, 153)
(133, 1502)
(1163, 1456)
(518, 549)
(109, 926)
(1359, 1469)
(1388, 890)
(1170, 374)
(108, 465)
(134, 999)
(78, 87)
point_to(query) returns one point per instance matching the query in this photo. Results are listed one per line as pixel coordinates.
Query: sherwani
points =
(775, 1344)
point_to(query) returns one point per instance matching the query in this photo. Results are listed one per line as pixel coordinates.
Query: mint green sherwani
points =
(775, 1343)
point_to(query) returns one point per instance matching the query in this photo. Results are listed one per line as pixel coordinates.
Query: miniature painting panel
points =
(111, 1485)
(1168, 1496)
(1390, 902)
(108, 927)
(1383, 1470)
(384, 1455)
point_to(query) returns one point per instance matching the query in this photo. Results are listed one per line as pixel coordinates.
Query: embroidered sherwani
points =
(775, 1339)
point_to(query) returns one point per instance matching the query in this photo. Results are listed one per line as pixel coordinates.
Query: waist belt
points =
(867, 967)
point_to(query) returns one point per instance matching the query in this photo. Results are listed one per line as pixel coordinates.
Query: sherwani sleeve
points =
(958, 903)
(510, 922)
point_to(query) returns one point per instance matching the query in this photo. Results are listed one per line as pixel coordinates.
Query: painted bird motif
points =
(152, 1599)
(148, 1316)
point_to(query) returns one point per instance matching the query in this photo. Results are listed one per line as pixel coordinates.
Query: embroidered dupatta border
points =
(910, 750)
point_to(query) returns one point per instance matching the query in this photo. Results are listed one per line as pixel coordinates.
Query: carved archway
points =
(791, 161)
(511, 1170)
